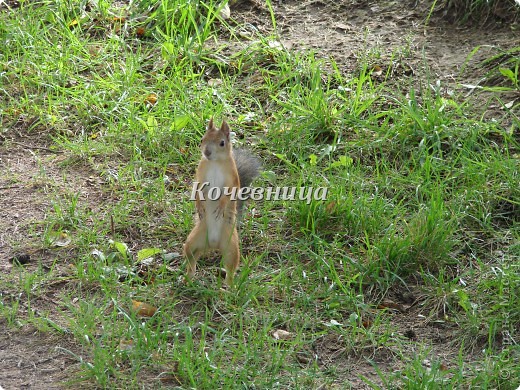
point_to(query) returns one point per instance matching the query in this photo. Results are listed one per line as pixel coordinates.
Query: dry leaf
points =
(391, 305)
(225, 12)
(303, 358)
(510, 104)
(214, 82)
(59, 239)
(143, 309)
(94, 50)
(343, 26)
(377, 71)
(330, 207)
(140, 32)
(366, 324)
(471, 86)
(333, 323)
(168, 374)
(125, 345)
(151, 99)
(281, 334)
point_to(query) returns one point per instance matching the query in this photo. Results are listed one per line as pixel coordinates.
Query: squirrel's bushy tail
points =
(248, 167)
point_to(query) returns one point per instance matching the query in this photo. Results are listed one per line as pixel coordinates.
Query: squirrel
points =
(216, 220)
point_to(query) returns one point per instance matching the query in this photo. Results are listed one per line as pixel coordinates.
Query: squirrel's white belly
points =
(214, 224)
(214, 177)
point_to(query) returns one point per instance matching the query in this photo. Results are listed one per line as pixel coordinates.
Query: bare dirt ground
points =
(30, 180)
(31, 176)
(31, 360)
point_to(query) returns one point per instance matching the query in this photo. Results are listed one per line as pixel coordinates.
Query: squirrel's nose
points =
(207, 152)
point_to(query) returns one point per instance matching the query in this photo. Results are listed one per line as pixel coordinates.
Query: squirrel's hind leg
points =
(193, 249)
(231, 257)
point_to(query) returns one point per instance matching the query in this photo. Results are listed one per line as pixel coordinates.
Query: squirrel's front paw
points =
(219, 212)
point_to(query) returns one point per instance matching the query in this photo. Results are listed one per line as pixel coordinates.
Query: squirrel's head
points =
(216, 142)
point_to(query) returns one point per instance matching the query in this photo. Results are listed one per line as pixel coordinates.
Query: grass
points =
(480, 11)
(423, 197)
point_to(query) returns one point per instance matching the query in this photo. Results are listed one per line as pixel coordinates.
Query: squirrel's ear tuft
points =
(225, 128)
(210, 124)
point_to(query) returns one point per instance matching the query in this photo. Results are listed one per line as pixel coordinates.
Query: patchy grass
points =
(480, 11)
(421, 217)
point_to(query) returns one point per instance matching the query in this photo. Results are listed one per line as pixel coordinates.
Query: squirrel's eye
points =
(222, 143)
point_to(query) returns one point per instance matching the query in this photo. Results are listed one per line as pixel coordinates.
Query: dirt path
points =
(384, 31)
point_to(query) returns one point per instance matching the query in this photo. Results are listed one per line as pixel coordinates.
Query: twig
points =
(36, 147)
(112, 227)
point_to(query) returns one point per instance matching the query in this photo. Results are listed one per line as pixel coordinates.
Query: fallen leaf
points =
(333, 323)
(168, 374)
(343, 26)
(73, 22)
(214, 82)
(344, 89)
(275, 45)
(281, 334)
(140, 32)
(330, 207)
(471, 86)
(59, 239)
(225, 12)
(366, 324)
(143, 309)
(391, 305)
(303, 358)
(97, 253)
(510, 104)
(168, 257)
(377, 71)
(151, 99)
(125, 345)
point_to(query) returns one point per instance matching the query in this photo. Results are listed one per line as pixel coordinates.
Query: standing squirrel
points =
(216, 225)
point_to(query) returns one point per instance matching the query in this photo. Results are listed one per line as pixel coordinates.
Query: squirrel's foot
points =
(228, 278)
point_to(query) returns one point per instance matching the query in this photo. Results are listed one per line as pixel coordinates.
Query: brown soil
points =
(32, 176)
(30, 180)
(33, 360)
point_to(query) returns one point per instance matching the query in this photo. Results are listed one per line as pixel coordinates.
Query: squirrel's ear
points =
(225, 128)
(210, 124)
